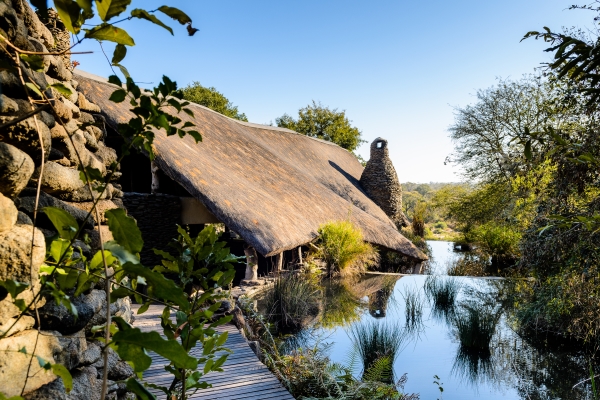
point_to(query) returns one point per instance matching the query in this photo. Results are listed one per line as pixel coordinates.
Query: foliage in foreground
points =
(211, 98)
(343, 249)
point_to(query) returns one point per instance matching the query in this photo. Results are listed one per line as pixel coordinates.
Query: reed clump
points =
(442, 292)
(342, 247)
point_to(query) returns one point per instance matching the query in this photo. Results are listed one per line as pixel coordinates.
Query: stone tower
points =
(380, 182)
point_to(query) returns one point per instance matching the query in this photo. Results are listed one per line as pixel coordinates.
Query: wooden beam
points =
(155, 182)
(251, 264)
(279, 262)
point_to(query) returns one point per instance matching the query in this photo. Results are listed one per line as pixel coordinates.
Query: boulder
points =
(62, 110)
(73, 346)
(59, 71)
(86, 105)
(11, 85)
(16, 168)
(54, 390)
(86, 385)
(8, 214)
(33, 24)
(96, 132)
(92, 354)
(25, 107)
(7, 308)
(57, 179)
(14, 364)
(26, 204)
(14, 325)
(107, 154)
(74, 109)
(16, 258)
(55, 317)
(83, 194)
(102, 206)
(120, 371)
(24, 136)
(8, 105)
(23, 219)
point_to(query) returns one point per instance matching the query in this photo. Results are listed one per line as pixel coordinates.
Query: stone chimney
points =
(380, 182)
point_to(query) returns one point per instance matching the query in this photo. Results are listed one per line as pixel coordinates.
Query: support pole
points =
(155, 181)
(251, 264)
(279, 263)
(300, 255)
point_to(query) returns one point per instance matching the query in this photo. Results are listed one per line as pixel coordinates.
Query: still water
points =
(513, 369)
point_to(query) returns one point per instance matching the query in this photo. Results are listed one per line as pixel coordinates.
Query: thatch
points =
(272, 186)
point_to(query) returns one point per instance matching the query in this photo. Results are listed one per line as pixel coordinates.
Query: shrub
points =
(440, 225)
(498, 240)
(292, 303)
(343, 249)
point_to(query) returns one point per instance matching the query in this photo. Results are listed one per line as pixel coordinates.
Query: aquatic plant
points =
(341, 307)
(343, 249)
(292, 303)
(442, 292)
(475, 327)
(376, 342)
(413, 310)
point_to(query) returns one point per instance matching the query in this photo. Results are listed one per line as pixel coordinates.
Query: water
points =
(514, 369)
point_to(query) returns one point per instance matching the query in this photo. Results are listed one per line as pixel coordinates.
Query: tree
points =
(213, 99)
(489, 135)
(323, 123)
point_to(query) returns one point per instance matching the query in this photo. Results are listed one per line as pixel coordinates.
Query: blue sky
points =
(396, 67)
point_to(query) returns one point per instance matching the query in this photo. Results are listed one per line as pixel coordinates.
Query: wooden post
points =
(279, 263)
(300, 255)
(251, 264)
(155, 183)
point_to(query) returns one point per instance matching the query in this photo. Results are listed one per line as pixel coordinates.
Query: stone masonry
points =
(63, 339)
(380, 182)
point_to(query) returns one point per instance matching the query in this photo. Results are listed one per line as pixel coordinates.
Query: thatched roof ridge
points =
(272, 186)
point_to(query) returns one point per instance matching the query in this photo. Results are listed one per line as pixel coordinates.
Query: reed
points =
(442, 292)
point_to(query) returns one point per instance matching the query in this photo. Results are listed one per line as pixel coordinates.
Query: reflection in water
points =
(442, 293)
(378, 301)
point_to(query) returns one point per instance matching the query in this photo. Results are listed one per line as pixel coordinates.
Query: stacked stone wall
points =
(73, 134)
(161, 228)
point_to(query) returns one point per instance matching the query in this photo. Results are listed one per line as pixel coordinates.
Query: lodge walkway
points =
(243, 377)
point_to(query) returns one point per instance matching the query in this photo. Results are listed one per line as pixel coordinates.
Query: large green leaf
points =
(176, 14)
(64, 223)
(62, 89)
(119, 54)
(125, 230)
(130, 344)
(120, 253)
(139, 390)
(143, 14)
(162, 288)
(110, 33)
(69, 12)
(61, 371)
(111, 8)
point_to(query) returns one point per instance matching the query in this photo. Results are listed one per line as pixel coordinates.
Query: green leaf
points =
(35, 62)
(176, 14)
(14, 288)
(111, 34)
(120, 253)
(125, 230)
(111, 8)
(123, 70)
(139, 390)
(69, 13)
(118, 96)
(115, 80)
(162, 288)
(59, 249)
(119, 54)
(64, 223)
(131, 342)
(62, 372)
(86, 5)
(143, 14)
(62, 89)
(34, 89)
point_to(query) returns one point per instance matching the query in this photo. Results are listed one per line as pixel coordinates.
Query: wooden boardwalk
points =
(243, 376)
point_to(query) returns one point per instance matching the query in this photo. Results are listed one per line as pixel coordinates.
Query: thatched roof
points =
(272, 186)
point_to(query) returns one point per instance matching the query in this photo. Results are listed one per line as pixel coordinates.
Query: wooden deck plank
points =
(243, 377)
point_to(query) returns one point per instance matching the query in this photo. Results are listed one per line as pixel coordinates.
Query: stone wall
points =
(157, 231)
(63, 338)
(380, 182)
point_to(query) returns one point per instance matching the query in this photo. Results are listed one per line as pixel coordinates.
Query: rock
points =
(120, 371)
(62, 110)
(23, 219)
(87, 158)
(9, 328)
(55, 317)
(57, 179)
(54, 390)
(238, 318)
(74, 109)
(73, 346)
(98, 133)
(380, 182)
(102, 206)
(86, 118)
(58, 132)
(8, 214)
(25, 107)
(86, 105)
(83, 194)
(59, 71)
(91, 355)
(15, 253)
(8, 105)
(24, 136)
(14, 365)
(16, 167)
(97, 300)
(34, 26)
(106, 154)
(71, 126)
(26, 204)
(91, 142)
(113, 359)
(86, 385)
(11, 85)
(9, 310)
